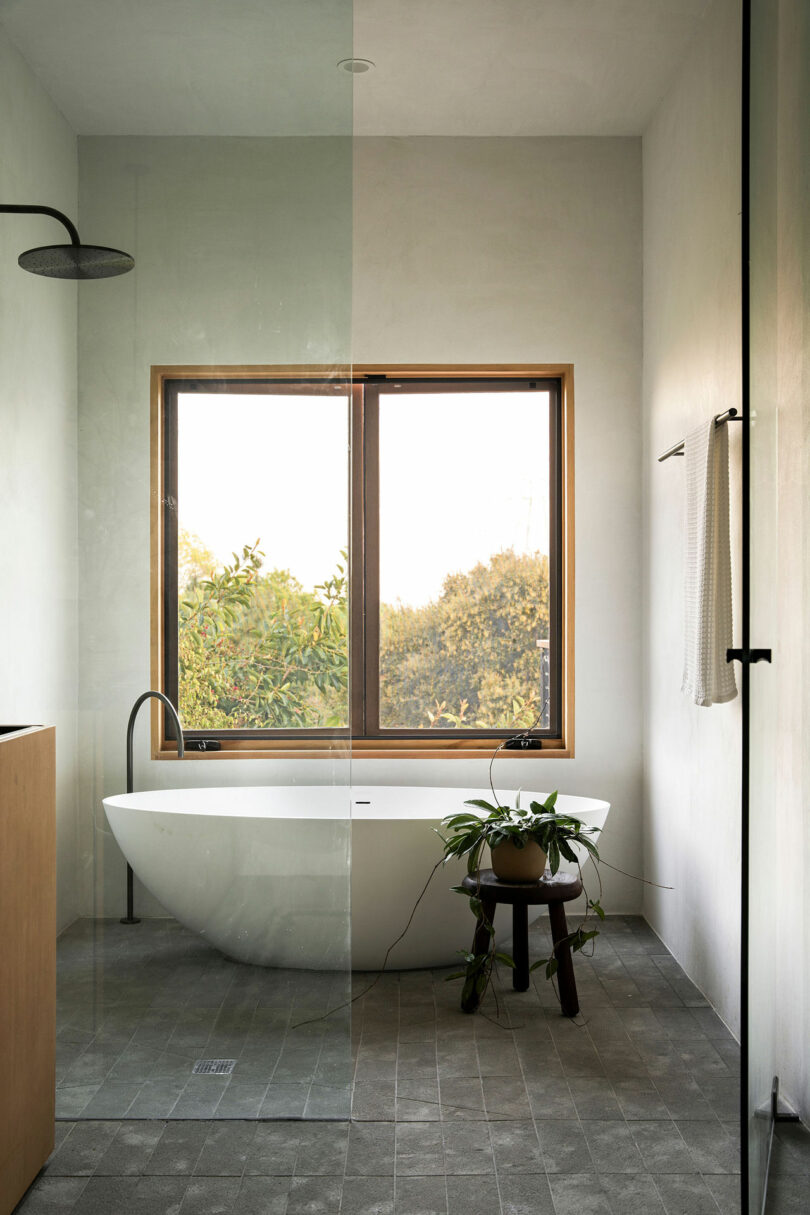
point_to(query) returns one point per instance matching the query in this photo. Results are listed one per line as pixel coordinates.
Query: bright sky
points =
(461, 477)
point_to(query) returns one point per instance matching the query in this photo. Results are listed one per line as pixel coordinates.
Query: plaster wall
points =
(691, 154)
(462, 250)
(38, 488)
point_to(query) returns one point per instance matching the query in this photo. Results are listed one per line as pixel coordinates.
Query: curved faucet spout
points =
(130, 917)
(170, 709)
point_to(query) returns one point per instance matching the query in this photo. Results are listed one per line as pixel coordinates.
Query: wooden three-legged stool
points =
(554, 892)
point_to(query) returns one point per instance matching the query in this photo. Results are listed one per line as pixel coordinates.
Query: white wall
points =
(38, 494)
(465, 250)
(691, 371)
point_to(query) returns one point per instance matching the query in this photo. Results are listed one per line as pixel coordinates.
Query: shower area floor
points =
(629, 1109)
(139, 1005)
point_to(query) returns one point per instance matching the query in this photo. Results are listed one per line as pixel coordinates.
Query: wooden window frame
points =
(363, 635)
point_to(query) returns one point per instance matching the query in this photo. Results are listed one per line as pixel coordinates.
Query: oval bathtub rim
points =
(352, 811)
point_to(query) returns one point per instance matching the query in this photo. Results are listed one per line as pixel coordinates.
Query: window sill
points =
(367, 749)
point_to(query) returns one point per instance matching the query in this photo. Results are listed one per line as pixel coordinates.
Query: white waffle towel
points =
(707, 678)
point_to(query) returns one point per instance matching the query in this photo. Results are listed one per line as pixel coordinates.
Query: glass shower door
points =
(779, 555)
(762, 960)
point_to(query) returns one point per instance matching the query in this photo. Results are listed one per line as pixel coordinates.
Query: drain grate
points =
(213, 1067)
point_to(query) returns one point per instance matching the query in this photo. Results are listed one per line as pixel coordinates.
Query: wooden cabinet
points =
(27, 956)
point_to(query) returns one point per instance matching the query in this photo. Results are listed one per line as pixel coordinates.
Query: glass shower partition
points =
(779, 525)
(762, 953)
(218, 374)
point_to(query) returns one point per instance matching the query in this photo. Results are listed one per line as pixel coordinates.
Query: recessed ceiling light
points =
(356, 66)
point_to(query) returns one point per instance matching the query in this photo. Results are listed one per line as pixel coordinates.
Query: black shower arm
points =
(15, 209)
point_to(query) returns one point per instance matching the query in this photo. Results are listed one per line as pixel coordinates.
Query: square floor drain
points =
(213, 1067)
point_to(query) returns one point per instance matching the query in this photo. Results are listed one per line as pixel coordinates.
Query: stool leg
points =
(520, 946)
(569, 1001)
(481, 943)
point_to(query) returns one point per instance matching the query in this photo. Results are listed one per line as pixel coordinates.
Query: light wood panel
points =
(27, 957)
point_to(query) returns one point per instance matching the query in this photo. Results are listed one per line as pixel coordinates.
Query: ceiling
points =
(268, 67)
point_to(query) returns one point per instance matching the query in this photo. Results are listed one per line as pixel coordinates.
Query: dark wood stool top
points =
(553, 891)
(560, 888)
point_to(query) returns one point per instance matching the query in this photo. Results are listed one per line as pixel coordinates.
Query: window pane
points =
(464, 560)
(262, 539)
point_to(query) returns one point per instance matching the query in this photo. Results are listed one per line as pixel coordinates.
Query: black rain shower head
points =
(76, 261)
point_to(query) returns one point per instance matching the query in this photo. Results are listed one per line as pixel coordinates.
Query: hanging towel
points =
(707, 678)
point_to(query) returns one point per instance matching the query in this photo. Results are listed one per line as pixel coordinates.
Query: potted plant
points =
(521, 842)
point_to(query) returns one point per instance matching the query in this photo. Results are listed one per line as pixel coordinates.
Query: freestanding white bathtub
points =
(274, 875)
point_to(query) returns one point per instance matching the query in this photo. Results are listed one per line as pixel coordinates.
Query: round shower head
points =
(76, 261)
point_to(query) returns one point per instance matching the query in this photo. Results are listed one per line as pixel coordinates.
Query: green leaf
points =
(568, 851)
(551, 968)
(582, 938)
(507, 961)
(461, 820)
(481, 804)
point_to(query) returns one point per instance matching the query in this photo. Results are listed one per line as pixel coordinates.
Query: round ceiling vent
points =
(356, 66)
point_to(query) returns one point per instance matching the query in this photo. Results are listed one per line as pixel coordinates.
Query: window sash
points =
(364, 547)
(366, 551)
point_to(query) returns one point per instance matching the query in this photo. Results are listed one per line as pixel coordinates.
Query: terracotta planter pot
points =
(513, 864)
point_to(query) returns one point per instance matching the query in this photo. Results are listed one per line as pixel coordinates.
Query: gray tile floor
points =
(789, 1178)
(138, 1005)
(628, 1110)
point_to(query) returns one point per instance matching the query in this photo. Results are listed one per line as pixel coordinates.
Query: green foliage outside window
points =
(470, 659)
(258, 651)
